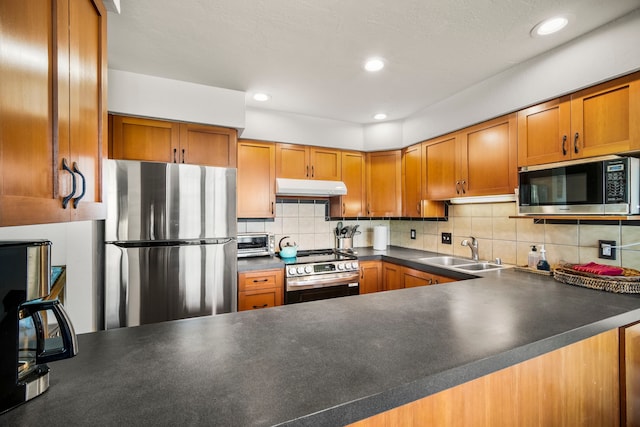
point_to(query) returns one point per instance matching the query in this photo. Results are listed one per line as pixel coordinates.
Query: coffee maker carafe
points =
(34, 329)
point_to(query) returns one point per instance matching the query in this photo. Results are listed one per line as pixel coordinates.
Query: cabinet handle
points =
(418, 207)
(312, 172)
(564, 145)
(307, 174)
(271, 208)
(76, 201)
(260, 280)
(462, 185)
(175, 153)
(65, 199)
(183, 155)
(430, 281)
(575, 142)
(368, 208)
(436, 282)
(457, 187)
(261, 306)
(344, 208)
(362, 272)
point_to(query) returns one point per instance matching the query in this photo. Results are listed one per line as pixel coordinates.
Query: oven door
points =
(322, 286)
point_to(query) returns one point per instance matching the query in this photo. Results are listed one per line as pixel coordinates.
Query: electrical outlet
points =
(446, 238)
(413, 234)
(606, 249)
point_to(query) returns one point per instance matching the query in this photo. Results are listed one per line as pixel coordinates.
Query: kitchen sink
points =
(445, 260)
(479, 266)
(464, 264)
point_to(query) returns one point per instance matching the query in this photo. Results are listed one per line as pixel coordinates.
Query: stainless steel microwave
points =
(597, 186)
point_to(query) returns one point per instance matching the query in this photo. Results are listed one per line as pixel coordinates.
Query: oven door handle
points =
(319, 281)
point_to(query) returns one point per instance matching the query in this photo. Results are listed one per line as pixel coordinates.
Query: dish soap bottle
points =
(542, 263)
(532, 260)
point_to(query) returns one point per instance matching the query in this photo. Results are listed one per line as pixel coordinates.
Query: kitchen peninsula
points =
(330, 362)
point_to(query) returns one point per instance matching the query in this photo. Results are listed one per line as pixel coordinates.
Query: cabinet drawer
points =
(260, 280)
(253, 300)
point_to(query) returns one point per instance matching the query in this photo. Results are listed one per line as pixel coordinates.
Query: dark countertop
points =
(326, 362)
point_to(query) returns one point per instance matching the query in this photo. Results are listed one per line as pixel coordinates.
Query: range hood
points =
(308, 187)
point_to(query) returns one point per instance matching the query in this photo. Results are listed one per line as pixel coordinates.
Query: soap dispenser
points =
(542, 263)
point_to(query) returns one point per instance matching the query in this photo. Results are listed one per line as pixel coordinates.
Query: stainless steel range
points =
(321, 274)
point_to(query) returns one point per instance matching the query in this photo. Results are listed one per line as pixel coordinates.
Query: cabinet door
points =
(325, 164)
(384, 184)
(391, 276)
(292, 161)
(30, 184)
(145, 139)
(441, 172)
(256, 179)
(253, 300)
(544, 133)
(370, 276)
(438, 279)
(207, 145)
(412, 278)
(353, 175)
(487, 155)
(605, 119)
(87, 107)
(412, 181)
(630, 375)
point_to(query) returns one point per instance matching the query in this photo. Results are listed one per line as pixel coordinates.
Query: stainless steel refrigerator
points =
(170, 242)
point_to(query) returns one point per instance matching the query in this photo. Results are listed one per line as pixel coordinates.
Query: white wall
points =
(279, 126)
(142, 95)
(383, 136)
(73, 245)
(605, 53)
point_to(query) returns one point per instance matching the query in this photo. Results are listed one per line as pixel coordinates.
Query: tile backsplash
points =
(498, 235)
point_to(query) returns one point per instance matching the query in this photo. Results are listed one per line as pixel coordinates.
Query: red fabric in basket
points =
(602, 269)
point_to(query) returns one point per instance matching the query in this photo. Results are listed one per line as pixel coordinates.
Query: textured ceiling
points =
(308, 54)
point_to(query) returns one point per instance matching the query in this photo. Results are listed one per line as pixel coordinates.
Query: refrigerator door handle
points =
(160, 243)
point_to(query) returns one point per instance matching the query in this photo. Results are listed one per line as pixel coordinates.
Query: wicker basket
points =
(628, 283)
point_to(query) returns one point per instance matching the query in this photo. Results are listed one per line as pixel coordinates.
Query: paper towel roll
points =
(380, 235)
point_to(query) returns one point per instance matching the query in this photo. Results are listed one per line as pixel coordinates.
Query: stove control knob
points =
(308, 269)
(300, 270)
(341, 266)
(349, 266)
(292, 271)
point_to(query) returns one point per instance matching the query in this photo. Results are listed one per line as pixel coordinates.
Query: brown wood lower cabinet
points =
(370, 276)
(397, 277)
(260, 289)
(630, 375)
(576, 385)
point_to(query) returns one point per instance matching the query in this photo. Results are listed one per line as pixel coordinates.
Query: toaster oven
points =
(256, 244)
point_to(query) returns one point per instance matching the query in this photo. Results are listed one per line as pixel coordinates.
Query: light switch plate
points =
(446, 238)
(413, 234)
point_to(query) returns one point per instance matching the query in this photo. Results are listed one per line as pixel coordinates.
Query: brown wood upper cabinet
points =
(600, 120)
(54, 117)
(414, 169)
(384, 184)
(353, 204)
(458, 164)
(256, 179)
(137, 138)
(306, 162)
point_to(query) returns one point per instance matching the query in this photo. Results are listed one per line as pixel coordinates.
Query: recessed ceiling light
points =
(374, 64)
(550, 26)
(261, 97)
(380, 116)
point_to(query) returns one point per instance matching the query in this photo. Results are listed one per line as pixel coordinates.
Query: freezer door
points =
(152, 284)
(168, 201)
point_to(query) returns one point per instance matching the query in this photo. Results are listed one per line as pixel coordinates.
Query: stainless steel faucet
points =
(473, 246)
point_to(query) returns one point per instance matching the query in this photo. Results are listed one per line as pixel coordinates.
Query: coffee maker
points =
(34, 328)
